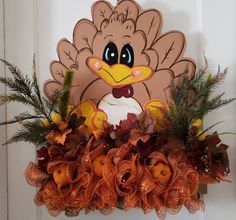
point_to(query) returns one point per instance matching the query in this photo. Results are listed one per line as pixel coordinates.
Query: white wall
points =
(3, 149)
(39, 25)
(219, 41)
(19, 32)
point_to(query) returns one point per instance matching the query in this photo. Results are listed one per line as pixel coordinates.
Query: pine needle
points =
(21, 117)
(32, 132)
(26, 91)
(192, 99)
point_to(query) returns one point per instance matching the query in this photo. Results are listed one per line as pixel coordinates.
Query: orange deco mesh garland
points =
(147, 171)
(85, 163)
(121, 124)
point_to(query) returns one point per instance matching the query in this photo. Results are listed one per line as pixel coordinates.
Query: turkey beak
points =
(118, 75)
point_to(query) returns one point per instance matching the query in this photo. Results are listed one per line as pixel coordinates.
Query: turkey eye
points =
(127, 55)
(110, 54)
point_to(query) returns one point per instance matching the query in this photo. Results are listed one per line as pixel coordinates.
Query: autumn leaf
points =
(73, 140)
(212, 140)
(136, 135)
(218, 157)
(146, 148)
(57, 137)
(75, 122)
(43, 158)
(63, 125)
(147, 122)
(122, 130)
(210, 156)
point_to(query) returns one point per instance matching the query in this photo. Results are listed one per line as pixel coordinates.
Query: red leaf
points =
(212, 140)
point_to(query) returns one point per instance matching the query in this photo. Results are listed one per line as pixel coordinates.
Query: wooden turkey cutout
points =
(121, 60)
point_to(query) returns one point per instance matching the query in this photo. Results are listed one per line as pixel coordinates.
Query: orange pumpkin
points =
(61, 176)
(98, 164)
(161, 172)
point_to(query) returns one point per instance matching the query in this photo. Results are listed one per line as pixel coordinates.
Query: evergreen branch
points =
(209, 128)
(20, 98)
(13, 97)
(190, 99)
(224, 133)
(32, 132)
(20, 81)
(10, 83)
(36, 84)
(28, 89)
(24, 92)
(39, 106)
(205, 107)
(21, 117)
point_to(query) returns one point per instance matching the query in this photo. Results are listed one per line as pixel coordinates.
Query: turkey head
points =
(122, 52)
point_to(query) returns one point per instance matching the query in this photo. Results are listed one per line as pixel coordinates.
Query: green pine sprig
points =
(31, 131)
(23, 90)
(21, 118)
(193, 98)
(26, 91)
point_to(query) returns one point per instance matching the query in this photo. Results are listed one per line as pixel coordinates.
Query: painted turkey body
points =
(121, 60)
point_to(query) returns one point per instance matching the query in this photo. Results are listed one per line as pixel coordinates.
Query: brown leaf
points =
(61, 138)
(56, 137)
(136, 135)
(217, 156)
(83, 131)
(147, 122)
(206, 179)
(212, 140)
(63, 125)
(73, 140)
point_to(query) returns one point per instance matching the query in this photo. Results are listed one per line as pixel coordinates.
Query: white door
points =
(3, 150)
(33, 26)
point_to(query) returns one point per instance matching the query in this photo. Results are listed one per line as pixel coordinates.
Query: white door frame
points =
(3, 149)
(17, 37)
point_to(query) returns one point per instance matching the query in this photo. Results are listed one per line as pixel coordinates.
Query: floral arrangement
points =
(152, 161)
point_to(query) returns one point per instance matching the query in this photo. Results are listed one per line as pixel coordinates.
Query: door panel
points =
(19, 45)
(37, 26)
(3, 150)
(219, 34)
